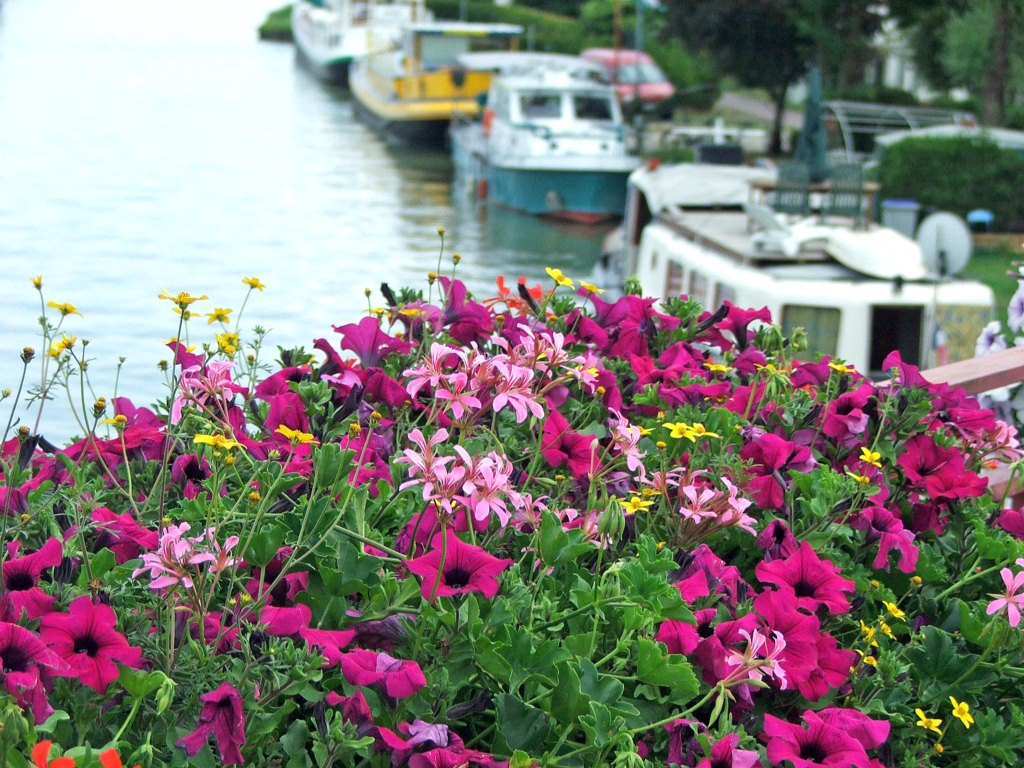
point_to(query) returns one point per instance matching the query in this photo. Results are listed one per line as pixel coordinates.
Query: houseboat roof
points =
(465, 29)
(698, 185)
(507, 63)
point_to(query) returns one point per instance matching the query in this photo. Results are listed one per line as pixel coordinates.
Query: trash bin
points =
(980, 220)
(901, 215)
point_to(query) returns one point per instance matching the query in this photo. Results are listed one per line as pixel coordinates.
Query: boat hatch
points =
(899, 328)
(820, 324)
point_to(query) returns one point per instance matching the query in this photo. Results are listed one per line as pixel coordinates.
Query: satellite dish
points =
(945, 243)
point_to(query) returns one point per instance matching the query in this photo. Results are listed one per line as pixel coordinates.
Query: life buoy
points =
(488, 120)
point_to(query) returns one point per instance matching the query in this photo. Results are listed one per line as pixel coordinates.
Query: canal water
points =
(151, 146)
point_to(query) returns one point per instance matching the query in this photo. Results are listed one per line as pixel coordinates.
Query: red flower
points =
(465, 568)
(222, 715)
(560, 444)
(41, 757)
(87, 641)
(110, 759)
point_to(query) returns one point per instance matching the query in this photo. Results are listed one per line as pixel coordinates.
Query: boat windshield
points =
(539, 106)
(592, 106)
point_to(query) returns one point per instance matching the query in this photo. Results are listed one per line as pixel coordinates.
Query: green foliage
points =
(548, 31)
(957, 174)
(278, 25)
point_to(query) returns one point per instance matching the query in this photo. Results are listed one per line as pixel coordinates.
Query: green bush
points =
(957, 175)
(278, 25)
(548, 31)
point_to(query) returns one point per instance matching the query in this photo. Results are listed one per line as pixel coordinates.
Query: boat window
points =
(821, 324)
(442, 51)
(895, 328)
(592, 107)
(698, 287)
(537, 106)
(724, 293)
(673, 280)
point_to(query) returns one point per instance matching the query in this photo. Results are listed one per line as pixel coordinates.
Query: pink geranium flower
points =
(223, 716)
(86, 640)
(464, 569)
(1012, 600)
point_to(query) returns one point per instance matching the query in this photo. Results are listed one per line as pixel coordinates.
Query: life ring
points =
(487, 121)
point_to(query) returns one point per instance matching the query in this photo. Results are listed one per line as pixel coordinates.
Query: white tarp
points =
(691, 185)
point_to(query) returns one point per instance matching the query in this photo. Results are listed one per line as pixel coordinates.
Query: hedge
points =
(958, 175)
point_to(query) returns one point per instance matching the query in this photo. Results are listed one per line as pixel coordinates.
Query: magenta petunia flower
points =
(820, 745)
(354, 709)
(887, 529)
(845, 418)
(328, 642)
(122, 535)
(814, 581)
(369, 341)
(724, 754)
(223, 716)
(465, 569)
(772, 459)
(86, 640)
(398, 678)
(561, 444)
(27, 666)
(21, 578)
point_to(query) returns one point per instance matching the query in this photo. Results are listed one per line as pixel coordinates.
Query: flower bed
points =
(539, 529)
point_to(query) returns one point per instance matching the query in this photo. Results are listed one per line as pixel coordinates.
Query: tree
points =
(758, 42)
(975, 45)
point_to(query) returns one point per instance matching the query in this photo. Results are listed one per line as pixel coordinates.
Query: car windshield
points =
(632, 74)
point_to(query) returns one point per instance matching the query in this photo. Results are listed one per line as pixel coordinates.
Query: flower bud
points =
(27, 354)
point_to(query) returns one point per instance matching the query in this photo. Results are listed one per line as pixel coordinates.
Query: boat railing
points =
(979, 375)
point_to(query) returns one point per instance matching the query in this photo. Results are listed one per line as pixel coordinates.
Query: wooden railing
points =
(980, 374)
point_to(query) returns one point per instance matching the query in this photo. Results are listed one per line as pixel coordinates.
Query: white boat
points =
(330, 34)
(411, 93)
(858, 292)
(551, 140)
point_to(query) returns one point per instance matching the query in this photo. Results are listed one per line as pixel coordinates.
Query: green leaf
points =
(657, 667)
(567, 700)
(598, 724)
(294, 742)
(140, 684)
(520, 759)
(523, 726)
(264, 546)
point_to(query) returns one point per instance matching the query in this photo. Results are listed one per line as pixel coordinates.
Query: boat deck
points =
(728, 232)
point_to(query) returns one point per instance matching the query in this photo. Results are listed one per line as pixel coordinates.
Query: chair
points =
(846, 193)
(793, 190)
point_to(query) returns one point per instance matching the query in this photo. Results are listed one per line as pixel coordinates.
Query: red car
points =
(637, 78)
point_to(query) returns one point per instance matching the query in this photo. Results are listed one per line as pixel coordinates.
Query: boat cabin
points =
(857, 293)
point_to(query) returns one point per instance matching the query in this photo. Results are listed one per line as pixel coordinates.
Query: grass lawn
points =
(990, 265)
